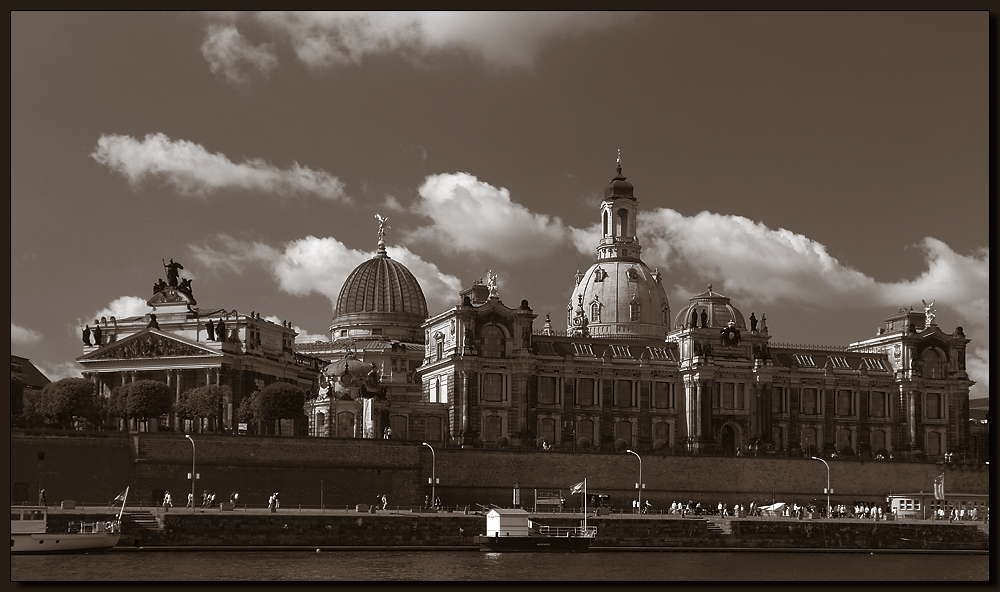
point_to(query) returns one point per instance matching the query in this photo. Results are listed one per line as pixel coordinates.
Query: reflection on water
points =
(474, 566)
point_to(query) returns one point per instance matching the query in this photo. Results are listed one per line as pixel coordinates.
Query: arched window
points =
(432, 429)
(843, 439)
(492, 428)
(398, 424)
(595, 312)
(623, 230)
(493, 342)
(878, 441)
(585, 429)
(634, 310)
(345, 424)
(662, 432)
(623, 431)
(933, 364)
(547, 429)
(605, 223)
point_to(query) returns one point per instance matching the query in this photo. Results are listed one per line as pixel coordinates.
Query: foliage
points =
(32, 410)
(16, 400)
(248, 408)
(117, 403)
(280, 400)
(66, 401)
(148, 398)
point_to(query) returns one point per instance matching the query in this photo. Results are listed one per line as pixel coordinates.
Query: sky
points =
(822, 168)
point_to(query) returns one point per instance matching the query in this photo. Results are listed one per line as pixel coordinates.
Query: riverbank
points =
(405, 529)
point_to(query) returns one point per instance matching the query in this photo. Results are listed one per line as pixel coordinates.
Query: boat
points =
(512, 530)
(29, 532)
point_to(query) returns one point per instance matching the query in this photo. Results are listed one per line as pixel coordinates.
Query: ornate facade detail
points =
(149, 345)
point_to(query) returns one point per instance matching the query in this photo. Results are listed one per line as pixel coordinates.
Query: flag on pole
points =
(939, 487)
(121, 496)
(576, 488)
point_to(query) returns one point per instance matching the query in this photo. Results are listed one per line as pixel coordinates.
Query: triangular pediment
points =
(150, 344)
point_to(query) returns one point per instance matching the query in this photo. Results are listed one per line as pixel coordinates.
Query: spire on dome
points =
(381, 233)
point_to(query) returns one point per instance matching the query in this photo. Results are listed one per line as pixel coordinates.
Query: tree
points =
(204, 401)
(147, 399)
(118, 403)
(16, 401)
(280, 400)
(69, 401)
(32, 410)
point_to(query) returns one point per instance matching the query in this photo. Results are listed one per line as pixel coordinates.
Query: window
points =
(623, 431)
(623, 393)
(844, 400)
(777, 400)
(545, 348)
(595, 312)
(843, 439)
(345, 424)
(546, 390)
(439, 351)
(493, 387)
(634, 308)
(621, 351)
(432, 429)
(839, 362)
(662, 395)
(493, 342)
(661, 431)
(727, 395)
(932, 405)
(547, 429)
(804, 360)
(585, 391)
(874, 364)
(492, 428)
(585, 429)
(623, 223)
(740, 396)
(777, 436)
(659, 353)
(878, 440)
(933, 364)
(810, 401)
(808, 437)
(876, 404)
(583, 349)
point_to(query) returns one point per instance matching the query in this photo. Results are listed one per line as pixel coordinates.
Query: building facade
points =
(628, 374)
(187, 347)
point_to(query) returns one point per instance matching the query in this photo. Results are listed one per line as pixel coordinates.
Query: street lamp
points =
(828, 490)
(639, 484)
(433, 476)
(193, 474)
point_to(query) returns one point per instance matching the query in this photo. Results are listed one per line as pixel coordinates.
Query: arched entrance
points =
(729, 440)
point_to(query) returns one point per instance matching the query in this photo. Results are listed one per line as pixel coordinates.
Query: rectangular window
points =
(661, 395)
(493, 387)
(777, 400)
(727, 395)
(810, 402)
(740, 396)
(623, 393)
(932, 407)
(546, 390)
(585, 392)
(876, 404)
(844, 403)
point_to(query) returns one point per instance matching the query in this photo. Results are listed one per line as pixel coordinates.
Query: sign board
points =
(548, 499)
(243, 427)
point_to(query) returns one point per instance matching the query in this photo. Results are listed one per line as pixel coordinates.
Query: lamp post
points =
(194, 451)
(639, 484)
(433, 476)
(828, 491)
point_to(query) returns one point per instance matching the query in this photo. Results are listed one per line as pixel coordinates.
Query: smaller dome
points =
(718, 309)
(618, 187)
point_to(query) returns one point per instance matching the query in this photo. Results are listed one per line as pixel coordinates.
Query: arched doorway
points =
(729, 437)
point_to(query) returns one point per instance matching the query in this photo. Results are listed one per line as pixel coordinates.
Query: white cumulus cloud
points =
(22, 336)
(58, 370)
(472, 217)
(193, 170)
(327, 39)
(232, 57)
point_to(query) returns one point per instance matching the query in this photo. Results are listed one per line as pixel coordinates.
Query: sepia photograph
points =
(669, 296)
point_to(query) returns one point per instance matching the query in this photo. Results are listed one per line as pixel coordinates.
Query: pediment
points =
(150, 344)
(168, 296)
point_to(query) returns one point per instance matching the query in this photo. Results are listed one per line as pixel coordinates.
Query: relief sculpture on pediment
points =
(149, 346)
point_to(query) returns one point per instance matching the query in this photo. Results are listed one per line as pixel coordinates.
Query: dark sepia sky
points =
(822, 168)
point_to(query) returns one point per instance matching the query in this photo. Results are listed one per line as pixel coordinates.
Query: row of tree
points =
(73, 403)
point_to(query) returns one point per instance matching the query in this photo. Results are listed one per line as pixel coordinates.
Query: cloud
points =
(233, 58)
(471, 217)
(503, 39)
(193, 170)
(22, 336)
(302, 336)
(59, 370)
(120, 308)
(234, 255)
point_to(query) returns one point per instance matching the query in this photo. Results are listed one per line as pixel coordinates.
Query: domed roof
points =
(381, 286)
(718, 308)
(622, 299)
(619, 187)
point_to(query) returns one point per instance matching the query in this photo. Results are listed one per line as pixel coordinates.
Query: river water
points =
(475, 566)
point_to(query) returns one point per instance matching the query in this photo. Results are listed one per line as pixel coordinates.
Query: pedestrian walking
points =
(385, 503)
(41, 497)
(190, 503)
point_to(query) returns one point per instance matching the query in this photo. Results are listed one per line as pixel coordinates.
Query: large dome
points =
(719, 311)
(379, 294)
(622, 300)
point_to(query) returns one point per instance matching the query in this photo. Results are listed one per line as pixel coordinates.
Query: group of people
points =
(273, 503)
(437, 502)
(959, 514)
(643, 509)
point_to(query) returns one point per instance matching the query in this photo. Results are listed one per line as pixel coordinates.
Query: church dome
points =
(622, 299)
(380, 297)
(718, 308)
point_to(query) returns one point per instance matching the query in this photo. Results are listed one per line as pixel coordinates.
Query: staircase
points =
(717, 526)
(143, 519)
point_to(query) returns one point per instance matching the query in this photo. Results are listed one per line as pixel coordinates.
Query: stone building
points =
(376, 345)
(709, 380)
(187, 346)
